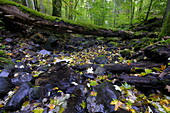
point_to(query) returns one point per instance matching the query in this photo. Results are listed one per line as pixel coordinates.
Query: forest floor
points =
(83, 74)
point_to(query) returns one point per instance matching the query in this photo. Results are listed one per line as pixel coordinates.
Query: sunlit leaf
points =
(157, 69)
(83, 104)
(163, 67)
(142, 74)
(127, 86)
(26, 103)
(118, 104)
(117, 88)
(51, 106)
(1, 105)
(147, 71)
(55, 88)
(38, 110)
(167, 108)
(90, 70)
(93, 83)
(61, 110)
(93, 93)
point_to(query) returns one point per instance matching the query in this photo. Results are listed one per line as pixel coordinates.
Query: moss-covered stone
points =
(166, 27)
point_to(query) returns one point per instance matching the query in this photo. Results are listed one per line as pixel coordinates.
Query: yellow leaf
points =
(1, 105)
(166, 108)
(38, 110)
(118, 104)
(26, 103)
(163, 102)
(61, 110)
(55, 88)
(9, 54)
(163, 67)
(51, 106)
(83, 104)
(93, 93)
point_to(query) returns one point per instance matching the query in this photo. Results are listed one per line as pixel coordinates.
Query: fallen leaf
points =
(38, 110)
(93, 93)
(51, 106)
(1, 105)
(163, 67)
(118, 104)
(167, 87)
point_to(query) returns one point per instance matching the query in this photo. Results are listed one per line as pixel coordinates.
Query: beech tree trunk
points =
(24, 22)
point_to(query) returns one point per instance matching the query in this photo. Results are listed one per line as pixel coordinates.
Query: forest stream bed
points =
(88, 75)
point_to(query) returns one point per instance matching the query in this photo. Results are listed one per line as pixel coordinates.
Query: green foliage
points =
(126, 86)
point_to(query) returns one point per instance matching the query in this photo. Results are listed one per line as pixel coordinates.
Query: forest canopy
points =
(107, 13)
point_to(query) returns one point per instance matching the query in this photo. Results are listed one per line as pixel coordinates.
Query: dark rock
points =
(51, 43)
(157, 53)
(125, 53)
(4, 73)
(101, 60)
(101, 103)
(36, 93)
(22, 78)
(17, 99)
(5, 85)
(100, 71)
(88, 75)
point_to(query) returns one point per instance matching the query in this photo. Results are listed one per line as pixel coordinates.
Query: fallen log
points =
(25, 20)
(119, 68)
(145, 81)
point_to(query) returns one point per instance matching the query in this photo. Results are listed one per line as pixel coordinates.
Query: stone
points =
(100, 71)
(17, 99)
(4, 73)
(22, 78)
(36, 93)
(106, 92)
(44, 52)
(101, 60)
(5, 85)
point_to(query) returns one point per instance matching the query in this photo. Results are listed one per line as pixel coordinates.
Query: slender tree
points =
(149, 9)
(23, 2)
(56, 8)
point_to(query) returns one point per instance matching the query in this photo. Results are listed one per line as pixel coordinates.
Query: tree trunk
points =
(166, 27)
(149, 9)
(167, 10)
(23, 2)
(57, 8)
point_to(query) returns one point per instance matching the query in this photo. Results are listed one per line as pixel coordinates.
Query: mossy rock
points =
(125, 53)
(113, 44)
(6, 63)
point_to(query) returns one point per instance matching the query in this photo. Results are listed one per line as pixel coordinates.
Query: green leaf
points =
(93, 83)
(127, 86)
(147, 71)
(83, 104)
(38, 110)
(143, 74)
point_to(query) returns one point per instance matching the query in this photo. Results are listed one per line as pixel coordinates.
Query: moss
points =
(86, 26)
(28, 10)
(166, 27)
